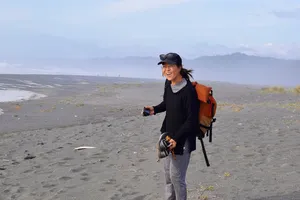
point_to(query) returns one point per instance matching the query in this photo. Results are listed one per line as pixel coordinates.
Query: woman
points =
(181, 122)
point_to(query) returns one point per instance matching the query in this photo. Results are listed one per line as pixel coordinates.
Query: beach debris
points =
(17, 106)
(203, 189)
(226, 174)
(203, 197)
(75, 115)
(2, 168)
(237, 108)
(79, 104)
(40, 143)
(208, 188)
(84, 147)
(29, 157)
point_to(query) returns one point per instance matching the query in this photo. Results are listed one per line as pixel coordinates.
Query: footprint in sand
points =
(77, 169)
(14, 162)
(65, 178)
(249, 155)
(7, 191)
(27, 171)
(105, 151)
(63, 163)
(48, 185)
(102, 156)
(110, 181)
(110, 165)
(53, 190)
(71, 186)
(37, 166)
(67, 158)
(136, 177)
(115, 197)
(142, 160)
(125, 195)
(141, 197)
(97, 155)
(85, 176)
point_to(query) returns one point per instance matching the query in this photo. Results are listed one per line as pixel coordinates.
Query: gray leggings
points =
(175, 173)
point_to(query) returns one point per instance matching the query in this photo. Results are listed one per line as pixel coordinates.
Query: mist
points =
(254, 75)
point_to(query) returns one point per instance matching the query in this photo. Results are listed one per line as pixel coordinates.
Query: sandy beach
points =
(254, 154)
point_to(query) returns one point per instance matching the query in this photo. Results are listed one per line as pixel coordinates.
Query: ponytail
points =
(186, 73)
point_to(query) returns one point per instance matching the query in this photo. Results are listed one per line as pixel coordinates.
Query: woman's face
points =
(171, 72)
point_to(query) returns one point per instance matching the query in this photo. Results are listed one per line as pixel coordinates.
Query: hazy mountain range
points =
(27, 53)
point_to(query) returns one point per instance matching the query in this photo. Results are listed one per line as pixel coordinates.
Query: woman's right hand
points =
(151, 109)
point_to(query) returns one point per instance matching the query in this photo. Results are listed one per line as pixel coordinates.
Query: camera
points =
(146, 112)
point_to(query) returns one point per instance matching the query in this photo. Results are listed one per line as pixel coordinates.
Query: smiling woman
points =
(180, 123)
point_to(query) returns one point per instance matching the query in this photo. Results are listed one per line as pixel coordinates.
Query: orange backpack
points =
(207, 109)
(207, 112)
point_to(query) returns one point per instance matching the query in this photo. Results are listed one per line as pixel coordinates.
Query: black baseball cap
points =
(170, 58)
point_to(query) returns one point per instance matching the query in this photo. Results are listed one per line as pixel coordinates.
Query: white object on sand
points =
(18, 95)
(84, 147)
(1, 111)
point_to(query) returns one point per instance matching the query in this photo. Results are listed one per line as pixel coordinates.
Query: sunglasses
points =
(169, 56)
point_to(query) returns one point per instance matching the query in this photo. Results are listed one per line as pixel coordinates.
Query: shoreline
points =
(149, 80)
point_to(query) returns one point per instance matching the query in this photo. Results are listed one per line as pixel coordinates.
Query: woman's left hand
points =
(172, 144)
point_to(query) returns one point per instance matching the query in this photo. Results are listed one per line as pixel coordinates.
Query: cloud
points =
(286, 51)
(291, 14)
(129, 6)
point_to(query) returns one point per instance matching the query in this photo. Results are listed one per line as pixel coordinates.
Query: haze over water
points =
(260, 75)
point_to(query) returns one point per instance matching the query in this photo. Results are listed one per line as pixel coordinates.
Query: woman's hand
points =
(172, 144)
(151, 109)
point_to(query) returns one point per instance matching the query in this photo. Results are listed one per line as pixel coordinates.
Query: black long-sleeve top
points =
(181, 120)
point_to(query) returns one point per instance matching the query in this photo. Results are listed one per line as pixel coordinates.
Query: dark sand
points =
(255, 152)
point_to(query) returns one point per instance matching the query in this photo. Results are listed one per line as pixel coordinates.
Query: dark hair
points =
(186, 73)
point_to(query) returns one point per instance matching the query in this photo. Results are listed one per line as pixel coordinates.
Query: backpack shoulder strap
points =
(167, 83)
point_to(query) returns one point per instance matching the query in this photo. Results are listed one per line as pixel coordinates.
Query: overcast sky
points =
(264, 25)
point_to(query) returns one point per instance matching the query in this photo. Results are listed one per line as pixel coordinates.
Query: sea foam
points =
(12, 95)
